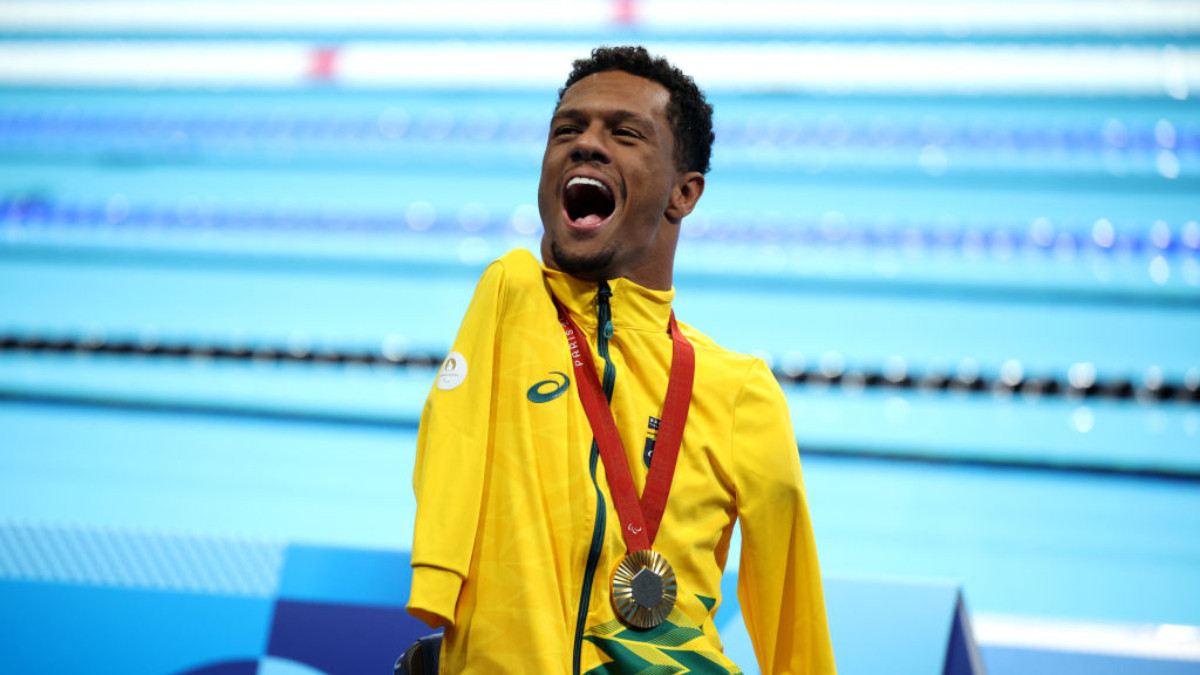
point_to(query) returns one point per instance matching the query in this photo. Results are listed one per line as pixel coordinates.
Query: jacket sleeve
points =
(779, 580)
(452, 459)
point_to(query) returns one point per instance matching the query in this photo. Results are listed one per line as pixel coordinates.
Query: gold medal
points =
(643, 589)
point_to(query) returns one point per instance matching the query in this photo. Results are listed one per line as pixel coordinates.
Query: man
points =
(555, 536)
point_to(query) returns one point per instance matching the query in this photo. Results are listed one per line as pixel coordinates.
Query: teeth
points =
(582, 180)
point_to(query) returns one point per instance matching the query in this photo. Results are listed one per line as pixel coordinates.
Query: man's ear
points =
(684, 196)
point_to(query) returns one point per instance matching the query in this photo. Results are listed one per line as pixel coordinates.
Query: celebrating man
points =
(583, 456)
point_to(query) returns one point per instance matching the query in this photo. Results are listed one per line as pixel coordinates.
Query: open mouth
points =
(587, 202)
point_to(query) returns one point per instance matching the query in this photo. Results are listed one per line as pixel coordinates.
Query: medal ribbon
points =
(640, 518)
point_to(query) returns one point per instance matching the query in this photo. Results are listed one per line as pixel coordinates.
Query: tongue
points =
(590, 220)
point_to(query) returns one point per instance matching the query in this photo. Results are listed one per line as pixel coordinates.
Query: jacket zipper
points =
(604, 329)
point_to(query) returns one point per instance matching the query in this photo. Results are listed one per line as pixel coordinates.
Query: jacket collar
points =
(633, 306)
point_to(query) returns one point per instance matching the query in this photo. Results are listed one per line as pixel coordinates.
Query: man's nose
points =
(590, 146)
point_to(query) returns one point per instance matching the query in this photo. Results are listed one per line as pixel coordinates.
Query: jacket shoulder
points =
(702, 341)
(724, 363)
(517, 271)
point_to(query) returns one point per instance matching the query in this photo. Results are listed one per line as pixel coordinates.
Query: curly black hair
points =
(688, 112)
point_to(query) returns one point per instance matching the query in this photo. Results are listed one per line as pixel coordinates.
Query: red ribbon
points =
(639, 518)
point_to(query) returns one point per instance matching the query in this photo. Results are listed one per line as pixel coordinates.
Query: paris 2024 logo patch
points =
(453, 372)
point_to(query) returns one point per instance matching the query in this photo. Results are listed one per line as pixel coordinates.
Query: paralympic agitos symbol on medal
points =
(643, 584)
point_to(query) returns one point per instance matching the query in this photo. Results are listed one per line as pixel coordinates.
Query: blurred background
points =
(236, 240)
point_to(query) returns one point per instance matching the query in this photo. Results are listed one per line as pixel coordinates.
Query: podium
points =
(340, 611)
(877, 626)
(900, 627)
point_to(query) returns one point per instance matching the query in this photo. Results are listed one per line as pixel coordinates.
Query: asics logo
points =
(548, 390)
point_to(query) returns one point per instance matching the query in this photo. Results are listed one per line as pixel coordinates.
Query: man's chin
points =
(592, 266)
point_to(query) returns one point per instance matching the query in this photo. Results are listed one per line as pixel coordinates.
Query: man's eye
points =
(559, 131)
(623, 131)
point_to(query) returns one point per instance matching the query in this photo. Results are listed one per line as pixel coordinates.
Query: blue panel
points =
(880, 627)
(342, 639)
(962, 655)
(876, 627)
(243, 667)
(346, 576)
(272, 666)
(64, 629)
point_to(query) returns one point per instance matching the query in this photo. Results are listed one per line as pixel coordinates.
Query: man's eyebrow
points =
(614, 117)
(630, 116)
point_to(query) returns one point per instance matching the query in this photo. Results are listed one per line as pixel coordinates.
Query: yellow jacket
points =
(512, 550)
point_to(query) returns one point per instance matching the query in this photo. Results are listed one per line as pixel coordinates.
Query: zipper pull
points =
(604, 310)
